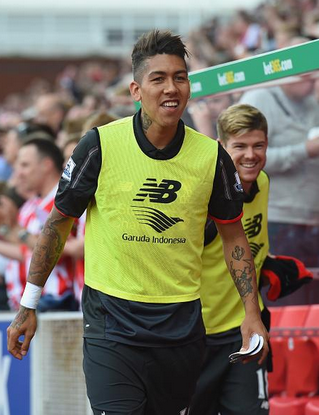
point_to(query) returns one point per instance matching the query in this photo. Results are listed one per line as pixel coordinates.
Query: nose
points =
(250, 153)
(170, 87)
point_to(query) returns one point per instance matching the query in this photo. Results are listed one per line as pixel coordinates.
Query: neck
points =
(160, 138)
(247, 187)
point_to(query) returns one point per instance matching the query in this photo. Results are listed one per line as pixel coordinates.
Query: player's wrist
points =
(31, 296)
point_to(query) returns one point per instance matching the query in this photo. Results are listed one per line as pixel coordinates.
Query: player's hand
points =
(24, 324)
(251, 325)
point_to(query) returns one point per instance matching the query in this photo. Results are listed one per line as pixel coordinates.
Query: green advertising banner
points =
(244, 73)
(266, 67)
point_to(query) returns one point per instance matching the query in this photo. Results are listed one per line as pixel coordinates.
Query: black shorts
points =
(131, 380)
(230, 388)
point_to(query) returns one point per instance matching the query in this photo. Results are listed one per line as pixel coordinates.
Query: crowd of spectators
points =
(245, 33)
(95, 93)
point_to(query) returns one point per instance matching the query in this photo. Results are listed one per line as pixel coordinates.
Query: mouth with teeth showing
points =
(248, 165)
(170, 104)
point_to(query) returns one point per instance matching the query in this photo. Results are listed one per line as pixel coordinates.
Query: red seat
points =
(303, 358)
(294, 316)
(302, 367)
(287, 406)
(312, 407)
(289, 317)
(312, 319)
(277, 378)
(312, 322)
(275, 316)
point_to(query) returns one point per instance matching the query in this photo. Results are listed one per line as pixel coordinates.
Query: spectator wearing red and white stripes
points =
(38, 169)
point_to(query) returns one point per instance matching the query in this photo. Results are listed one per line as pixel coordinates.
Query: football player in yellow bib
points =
(148, 183)
(234, 388)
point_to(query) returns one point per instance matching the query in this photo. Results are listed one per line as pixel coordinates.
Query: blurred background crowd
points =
(41, 124)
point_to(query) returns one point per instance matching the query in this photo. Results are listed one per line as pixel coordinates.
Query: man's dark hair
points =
(47, 148)
(154, 43)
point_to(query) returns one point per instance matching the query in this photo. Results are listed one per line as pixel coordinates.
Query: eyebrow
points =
(182, 71)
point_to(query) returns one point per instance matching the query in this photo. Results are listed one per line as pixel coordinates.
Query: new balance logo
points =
(255, 248)
(165, 192)
(253, 225)
(154, 218)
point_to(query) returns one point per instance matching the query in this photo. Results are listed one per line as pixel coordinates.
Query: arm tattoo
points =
(146, 122)
(20, 318)
(238, 253)
(243, 278)
(48, 249)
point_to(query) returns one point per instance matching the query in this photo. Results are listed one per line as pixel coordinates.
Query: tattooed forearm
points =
(48, 249)
(20, 318)
(146, 122)
(243, 278)
(238, 253)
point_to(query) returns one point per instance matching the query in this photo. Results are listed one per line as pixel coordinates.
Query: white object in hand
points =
(255, 345)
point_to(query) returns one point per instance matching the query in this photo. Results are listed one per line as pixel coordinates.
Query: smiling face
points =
(163, 91)
(248, 152)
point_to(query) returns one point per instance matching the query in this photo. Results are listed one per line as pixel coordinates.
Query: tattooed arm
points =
(49, 247)
(46, 254)
(240, 263)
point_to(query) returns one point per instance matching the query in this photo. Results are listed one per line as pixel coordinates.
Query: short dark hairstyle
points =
(47, 148)
(154, 43)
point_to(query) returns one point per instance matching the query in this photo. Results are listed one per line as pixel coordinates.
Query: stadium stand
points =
(294, 384)
(312, 407)
(285, 406)
(289, 318)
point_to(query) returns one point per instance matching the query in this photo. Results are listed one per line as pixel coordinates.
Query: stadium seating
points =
(289, 317)
(303, 357)
(312, 322)
(302, 367)
(287, 406)
(312, 407)
(294, 316)
(277, 378)
(276, 313)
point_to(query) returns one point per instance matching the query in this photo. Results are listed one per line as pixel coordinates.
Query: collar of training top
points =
(249, 197)
(170, 151)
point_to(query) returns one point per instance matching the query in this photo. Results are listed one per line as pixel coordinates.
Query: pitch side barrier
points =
(250, 72)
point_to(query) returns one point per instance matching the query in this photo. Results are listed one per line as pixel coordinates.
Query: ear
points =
(47, 164)
(135, 91)
(190, 90)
